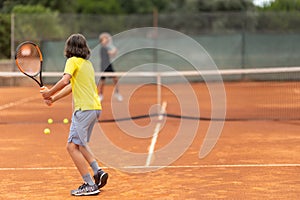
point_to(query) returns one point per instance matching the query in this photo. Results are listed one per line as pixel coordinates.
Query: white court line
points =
(168, 167)
(162, 111)
(152, 145)
(155, 134)
(15, 103)
(34, 168)
(218, 166)
(39, 168)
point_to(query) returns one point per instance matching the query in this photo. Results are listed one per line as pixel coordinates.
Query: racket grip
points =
(41, 91)
(42, 88)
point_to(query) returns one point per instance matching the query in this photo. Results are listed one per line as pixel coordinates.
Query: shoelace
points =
(82, 186)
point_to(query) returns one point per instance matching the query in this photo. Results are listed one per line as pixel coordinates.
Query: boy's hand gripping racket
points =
(29, 60)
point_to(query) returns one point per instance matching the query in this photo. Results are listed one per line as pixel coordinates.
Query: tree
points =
(224, 5)
(4, 36)
(98, 7)
(146, 7)
(64, 6)
(280, 15)
(283, 5)
(37, 22)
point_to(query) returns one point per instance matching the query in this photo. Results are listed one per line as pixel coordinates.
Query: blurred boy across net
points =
(107, 51)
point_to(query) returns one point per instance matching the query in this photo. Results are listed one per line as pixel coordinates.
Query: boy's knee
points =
(71, 147)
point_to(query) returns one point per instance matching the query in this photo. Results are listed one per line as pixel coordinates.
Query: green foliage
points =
(144, 7)
(124, 6)
(29, 9)
(4, 36)
(56, 5)
(283, 5)
(62, 6)
(224, 5)
(280, 15)
(278, 22)
(37, 22)
(98, 7)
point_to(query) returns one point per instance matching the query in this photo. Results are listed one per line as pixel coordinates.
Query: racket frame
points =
(40, 82)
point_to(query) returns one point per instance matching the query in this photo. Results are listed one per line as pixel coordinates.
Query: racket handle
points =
(41, 91)
(42, 88)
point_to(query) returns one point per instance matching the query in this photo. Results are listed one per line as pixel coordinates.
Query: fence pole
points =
(12, 37)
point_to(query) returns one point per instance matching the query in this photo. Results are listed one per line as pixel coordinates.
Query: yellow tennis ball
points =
(65, 121)
(46, 131)
(50, 121)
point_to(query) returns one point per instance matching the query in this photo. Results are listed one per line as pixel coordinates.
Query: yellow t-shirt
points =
(83, 84)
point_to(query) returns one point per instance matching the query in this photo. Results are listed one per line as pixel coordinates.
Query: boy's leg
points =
(101, 88)
(117, 94)
(87, 153)
(101, 85)
(99, 175)
(80, 163)
(77, 158)
(90, 118)
(77, 139)
(115, 82)
(90, 158)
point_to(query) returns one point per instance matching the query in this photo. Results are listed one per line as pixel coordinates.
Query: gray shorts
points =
(82, 126)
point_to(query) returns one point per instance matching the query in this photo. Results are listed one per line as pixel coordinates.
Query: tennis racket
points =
(29, 60)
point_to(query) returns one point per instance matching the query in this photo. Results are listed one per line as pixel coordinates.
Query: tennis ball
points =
(65, 121)
(50, 121)
(46, 131)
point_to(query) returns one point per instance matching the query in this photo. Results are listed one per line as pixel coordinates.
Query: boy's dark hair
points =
(76, 45)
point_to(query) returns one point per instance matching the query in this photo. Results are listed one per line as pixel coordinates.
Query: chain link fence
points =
(234, 40)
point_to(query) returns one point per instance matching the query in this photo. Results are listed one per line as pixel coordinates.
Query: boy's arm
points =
(64, 81)
(61, 94)
(113, 51)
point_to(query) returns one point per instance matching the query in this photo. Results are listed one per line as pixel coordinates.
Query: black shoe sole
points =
(103, 180)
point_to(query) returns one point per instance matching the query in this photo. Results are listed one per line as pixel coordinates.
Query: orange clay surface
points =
(253, 159)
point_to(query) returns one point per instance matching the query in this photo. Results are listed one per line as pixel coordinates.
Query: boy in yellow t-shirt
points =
(79, 80)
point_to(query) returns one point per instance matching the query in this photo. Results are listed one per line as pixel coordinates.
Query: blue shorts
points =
(82, 126)
(109, 68)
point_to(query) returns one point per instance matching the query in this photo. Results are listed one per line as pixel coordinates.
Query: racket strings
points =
(28, 59)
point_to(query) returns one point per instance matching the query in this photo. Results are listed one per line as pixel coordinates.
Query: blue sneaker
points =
(101, 178)
(86, 190)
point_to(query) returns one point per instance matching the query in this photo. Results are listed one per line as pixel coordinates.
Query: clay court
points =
(256, 157)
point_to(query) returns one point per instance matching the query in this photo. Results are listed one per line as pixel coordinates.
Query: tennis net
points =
(239, 94)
